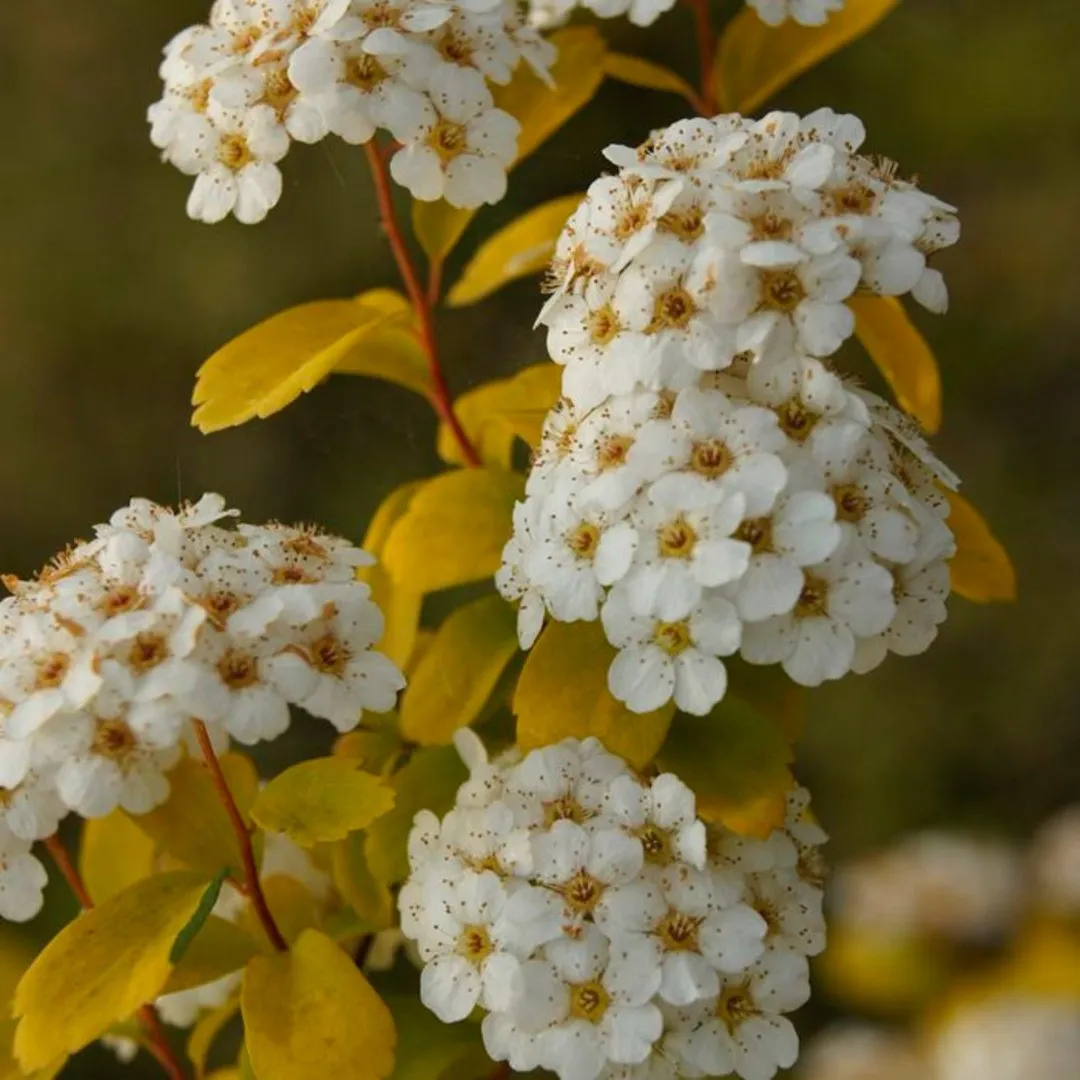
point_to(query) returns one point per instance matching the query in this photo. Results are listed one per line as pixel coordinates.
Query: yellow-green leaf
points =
(523, 247)
(219, 948)
(735, 760)
(901, 355)
(497, 413)
(399, 603)
(369, 898)
(428, 782)
(206, 1030)
(433, 1050)
(754, 61)
(981, 569)
(540, 109)
(192, 825)
(563, 692)
(637, 71)
(376, 744)
(292, 905)
(310, 1013)
(270, 365)
(459, 671)
(320, 800)
(113, 854)
(454, 529)
(102, 967)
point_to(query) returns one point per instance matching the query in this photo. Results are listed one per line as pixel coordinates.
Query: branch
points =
(420, 299)
(706, 38)
(252, 885)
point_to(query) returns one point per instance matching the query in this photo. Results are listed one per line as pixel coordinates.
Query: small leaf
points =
(637, 71)
(320, 800)
(562, 692)
(269, 366)
(192, 825)
(399, 603)
(102, 967)
(497, 413)
(198, 920)
(433, 1050)
(428, 782)
(369, 898)
(735, 760)
(376, 745)
(459, 671)
(309, 1014)
(454, 529)
(220, 948)
(754, 61)
(981, 569)
(523, 247)
(901, 355)
(113, 854)
(540, 109)
(206, 1030)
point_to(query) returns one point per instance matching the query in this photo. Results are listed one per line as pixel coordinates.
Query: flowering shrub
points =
(715, 514)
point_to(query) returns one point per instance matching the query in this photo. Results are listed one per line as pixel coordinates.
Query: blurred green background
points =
(110, 298)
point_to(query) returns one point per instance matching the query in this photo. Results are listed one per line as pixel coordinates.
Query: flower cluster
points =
(709, 484)
(165, 617)
(550, 13)
(603, 929)
(262, 73)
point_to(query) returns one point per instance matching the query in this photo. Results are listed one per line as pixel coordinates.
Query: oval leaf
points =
(454, 529)
(523, 247)
(754, 61)
(428, 782)
(321, 800)
(310, 1014)
(270, 365)
(113, 854)
(369, 898)
(901, 355)
(637, 71)
(459, 671)
(563, 692)
(102, 967)
(539, 108)
(497, 413)
(191, 825)
(981, 569)
(399, 603)
(735, 760)
(220, 948)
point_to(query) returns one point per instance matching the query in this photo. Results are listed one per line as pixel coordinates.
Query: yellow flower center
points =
(589, 1001)
(678, 932)
(757, 533)
(711, 458)
(474, 944)
(611, 451)
(447, 139)
(147, 651)
(237, 669)
(813, 599)
(851, 503)
(656, 843)
(768, 226)
(279, 92)
(456, 48)
(734, 1006)
(672, 637)
(114, 740)
(688, 225)
(364, 72)
(672, 310)
(51, 671)
(329, 655)
(796, 419)
(565, 808)
(118, 599)
(584, 540)
(582, 892)
(234, 152)
(631, 220)
(603, 325)
(781, 290)
(677, 539)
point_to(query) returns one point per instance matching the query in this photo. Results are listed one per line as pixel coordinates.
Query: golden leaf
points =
(981, 569)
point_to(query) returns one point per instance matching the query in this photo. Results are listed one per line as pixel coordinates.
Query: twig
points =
(420, 299)
(252, 885)
(706, 38)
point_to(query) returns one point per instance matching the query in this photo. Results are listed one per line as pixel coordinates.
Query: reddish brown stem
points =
(706, 39)
(156, 1043)
(252, 885)
(420, 299)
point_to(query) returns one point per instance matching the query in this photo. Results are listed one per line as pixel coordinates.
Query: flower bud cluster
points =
(603, 928)
(709, 484)
(262, 73)
(166, 617)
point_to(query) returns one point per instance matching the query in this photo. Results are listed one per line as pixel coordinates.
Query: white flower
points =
(459, 146)
(791, 909)
(662, 816)
(741, 1030)
(660, 659)
(806, 12)
(22, 878)
(330, 668)
(511, 578)
(233, 158)
(839, 602)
